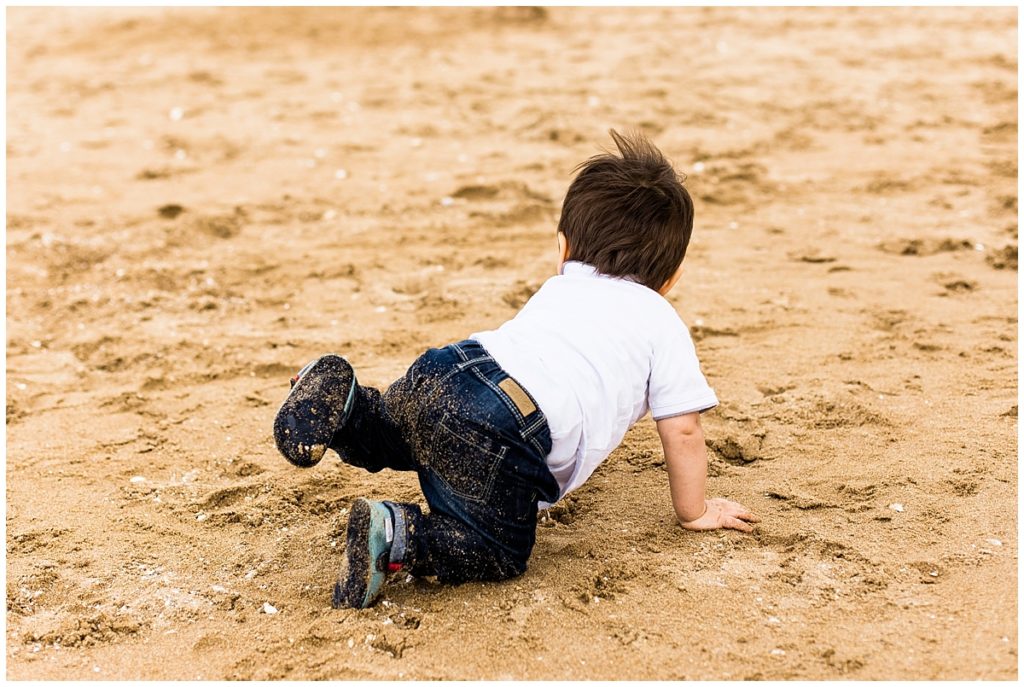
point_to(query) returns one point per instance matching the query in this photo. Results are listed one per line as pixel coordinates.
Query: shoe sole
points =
(362, 572)
(316, 407)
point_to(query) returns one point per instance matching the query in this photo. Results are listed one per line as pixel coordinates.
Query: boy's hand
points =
(722, 514)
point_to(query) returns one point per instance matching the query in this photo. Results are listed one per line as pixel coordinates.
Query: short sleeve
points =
(677, 386)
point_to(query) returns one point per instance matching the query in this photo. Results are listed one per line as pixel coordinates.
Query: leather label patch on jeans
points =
(518, 396)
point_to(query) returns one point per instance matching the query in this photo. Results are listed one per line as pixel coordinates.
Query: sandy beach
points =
(201, 200)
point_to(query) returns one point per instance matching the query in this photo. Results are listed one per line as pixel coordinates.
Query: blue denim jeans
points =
(456, 421)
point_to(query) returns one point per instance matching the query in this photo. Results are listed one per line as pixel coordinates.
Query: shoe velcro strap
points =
(401, 540)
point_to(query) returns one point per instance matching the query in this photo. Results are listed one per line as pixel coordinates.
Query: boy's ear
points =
(672, 281)
(563, 250)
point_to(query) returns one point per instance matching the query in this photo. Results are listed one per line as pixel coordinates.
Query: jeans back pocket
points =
(465, 459)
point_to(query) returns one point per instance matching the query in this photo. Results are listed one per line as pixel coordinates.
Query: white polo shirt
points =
(596, 352)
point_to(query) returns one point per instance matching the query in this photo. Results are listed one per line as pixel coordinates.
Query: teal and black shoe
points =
(371, 532)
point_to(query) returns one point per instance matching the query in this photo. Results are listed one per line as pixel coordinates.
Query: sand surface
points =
(201, 200)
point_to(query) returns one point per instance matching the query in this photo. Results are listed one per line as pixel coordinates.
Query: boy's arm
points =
(687, 461)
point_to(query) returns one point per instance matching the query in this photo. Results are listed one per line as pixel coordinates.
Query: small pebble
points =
(268, 609)
(340, 174)
(351, 642)
(898, 507)
(447, 201)
(201, 516)
(176, 113)
(330, 214)
(778, 652)
(37, 344)
(593, 101)
(773, 620)
(137, 479)
(994, 542)
(698, 167)
(219, 589)
(251, 574)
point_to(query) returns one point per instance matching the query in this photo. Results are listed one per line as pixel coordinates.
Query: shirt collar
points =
(582, 269)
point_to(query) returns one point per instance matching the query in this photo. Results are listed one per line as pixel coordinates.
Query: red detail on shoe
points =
(394, 567)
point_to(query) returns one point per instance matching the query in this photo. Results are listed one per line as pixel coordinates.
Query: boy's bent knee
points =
(492, 565)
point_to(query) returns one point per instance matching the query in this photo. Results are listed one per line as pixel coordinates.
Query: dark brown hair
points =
(628, 216)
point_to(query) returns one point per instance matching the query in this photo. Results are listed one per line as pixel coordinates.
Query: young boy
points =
(514, 419)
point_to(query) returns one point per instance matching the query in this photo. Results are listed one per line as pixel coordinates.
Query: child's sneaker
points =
(319, 403)
(367, 563)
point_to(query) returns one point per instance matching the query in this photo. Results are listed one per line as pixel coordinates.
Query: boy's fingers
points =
(749, 517)
(738, 524)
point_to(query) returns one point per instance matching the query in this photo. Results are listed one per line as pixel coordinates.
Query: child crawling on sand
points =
(511, 420)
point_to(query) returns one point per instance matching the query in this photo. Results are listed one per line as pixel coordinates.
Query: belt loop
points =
(461, 353)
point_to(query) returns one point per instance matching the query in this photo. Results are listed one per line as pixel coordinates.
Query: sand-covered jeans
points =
(478, 442)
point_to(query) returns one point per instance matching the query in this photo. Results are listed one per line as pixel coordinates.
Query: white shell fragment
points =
(268, 609)
(898, 507)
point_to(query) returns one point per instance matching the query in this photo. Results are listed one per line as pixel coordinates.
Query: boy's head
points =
(628, 215)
